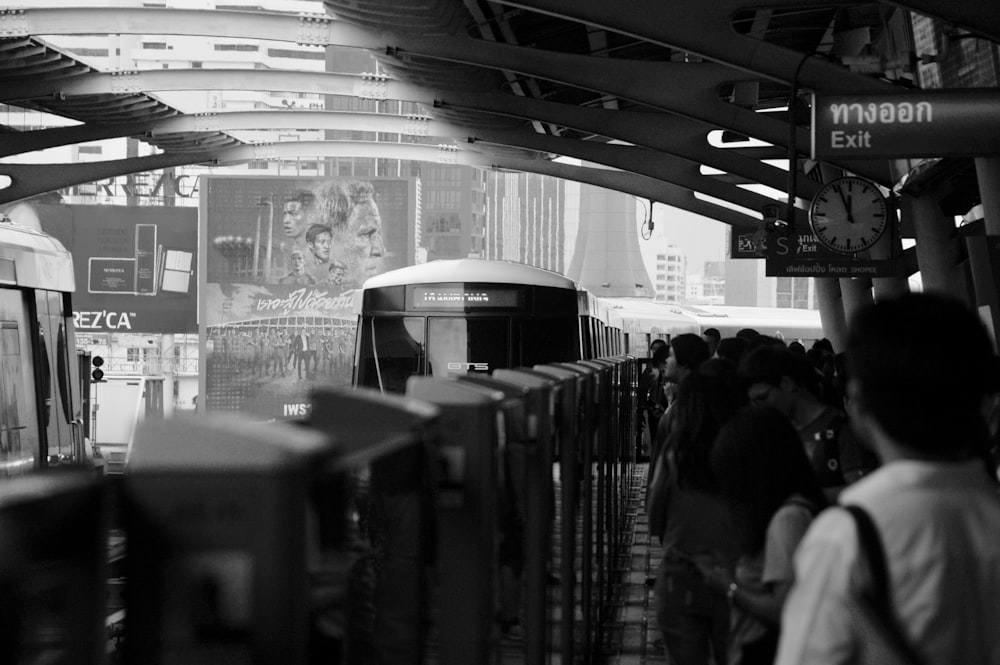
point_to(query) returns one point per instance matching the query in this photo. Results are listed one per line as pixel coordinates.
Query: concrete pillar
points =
(982, 250)
(889, 245)
(856, 292)
(831, 311)
(938, 250)
(988, 177)
(168, 369)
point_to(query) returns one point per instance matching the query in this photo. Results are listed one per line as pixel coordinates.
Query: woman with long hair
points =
(688, 513)
(773, 494)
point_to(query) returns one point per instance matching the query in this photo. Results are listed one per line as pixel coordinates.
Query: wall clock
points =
(849, 215)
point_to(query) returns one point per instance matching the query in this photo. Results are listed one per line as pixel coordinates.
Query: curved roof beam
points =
(322, 30)
(636, 159)
(689, 89)
(705, 28)
(409, 125)
(667, 133)
(640, 161)
(365, 86)
(31, 179)
(306, 29)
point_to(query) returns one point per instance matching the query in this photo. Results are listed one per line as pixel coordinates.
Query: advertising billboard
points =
(282, 258)
(134, 265)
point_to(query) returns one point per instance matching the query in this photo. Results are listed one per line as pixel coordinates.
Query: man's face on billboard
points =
(294, 218)
(359, 241)
(320, 247)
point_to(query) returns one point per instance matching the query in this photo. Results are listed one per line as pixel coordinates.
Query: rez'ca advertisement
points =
(134, 265)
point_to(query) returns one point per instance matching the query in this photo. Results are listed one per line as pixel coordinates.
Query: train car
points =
(643, 320)
(552, 354)
(462, 316)
(40, 392)
(785, 323)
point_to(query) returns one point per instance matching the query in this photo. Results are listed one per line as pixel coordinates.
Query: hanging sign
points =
(928, 123)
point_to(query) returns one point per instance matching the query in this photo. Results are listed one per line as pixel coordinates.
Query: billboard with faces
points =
(281, 259)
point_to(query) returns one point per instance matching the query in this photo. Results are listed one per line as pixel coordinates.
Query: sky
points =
(701, 239)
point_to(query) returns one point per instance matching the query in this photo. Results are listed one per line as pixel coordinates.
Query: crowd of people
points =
(272, 352)
(822, 507)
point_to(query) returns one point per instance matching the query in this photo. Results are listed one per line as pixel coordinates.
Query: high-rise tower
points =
(606, 259)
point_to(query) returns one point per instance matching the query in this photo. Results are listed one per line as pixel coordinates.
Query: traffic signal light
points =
(97, 374)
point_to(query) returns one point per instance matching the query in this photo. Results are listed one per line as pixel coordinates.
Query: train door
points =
(19, 426)
(390, 350)
(56, 375)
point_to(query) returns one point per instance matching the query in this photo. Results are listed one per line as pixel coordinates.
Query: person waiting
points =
(932, 509)
(773, 495)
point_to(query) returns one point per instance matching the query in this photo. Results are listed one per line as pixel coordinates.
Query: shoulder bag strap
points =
(879, 596)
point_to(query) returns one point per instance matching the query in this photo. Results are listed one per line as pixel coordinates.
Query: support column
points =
(988, 177)
(938, 251)
(831, 311)
(856, 292)
(168, 369)
(984, 273)
(890, 244)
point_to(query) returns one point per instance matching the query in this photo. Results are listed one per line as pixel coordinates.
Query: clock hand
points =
(850, 215)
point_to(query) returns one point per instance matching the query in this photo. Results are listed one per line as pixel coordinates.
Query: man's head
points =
(658, 360)
(336, 273)
(318, 239)
(656, 344)
(298, 262)
(777, 377)
(712, 337)
(687, 351)
(297, 212)
(350, 211)
(907, 383)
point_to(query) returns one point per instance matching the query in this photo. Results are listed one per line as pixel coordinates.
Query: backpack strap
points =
(872, 553)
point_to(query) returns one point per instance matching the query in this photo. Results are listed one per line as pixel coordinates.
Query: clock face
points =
(848, 215)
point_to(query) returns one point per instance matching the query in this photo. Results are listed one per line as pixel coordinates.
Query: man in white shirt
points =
(936, 509)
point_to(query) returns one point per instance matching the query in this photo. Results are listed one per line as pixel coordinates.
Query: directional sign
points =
(751, 244)
(928, 123)
(799, 254)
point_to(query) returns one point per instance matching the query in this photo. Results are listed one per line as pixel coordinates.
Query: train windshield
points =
(461, 345)
(391, 350)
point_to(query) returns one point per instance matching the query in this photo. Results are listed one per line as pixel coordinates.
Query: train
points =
(41, 392)
(445, 331)
(460, 316)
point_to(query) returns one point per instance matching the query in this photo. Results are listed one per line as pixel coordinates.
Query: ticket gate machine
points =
(394, 440)
(537, 393)
(217, 513)
(470, 444)
(569, 426)
(52, 569)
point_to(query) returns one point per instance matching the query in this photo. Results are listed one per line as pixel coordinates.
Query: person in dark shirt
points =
(778, 378)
